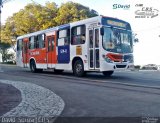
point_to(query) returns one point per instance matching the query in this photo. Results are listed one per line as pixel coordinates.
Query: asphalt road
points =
(125, 94)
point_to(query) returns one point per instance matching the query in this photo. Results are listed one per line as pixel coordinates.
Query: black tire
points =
(33, 67)
(78, 68)
(39, 70)
(58, 71)
(108, 73)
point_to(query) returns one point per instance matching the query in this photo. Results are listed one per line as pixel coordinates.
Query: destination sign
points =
(115, 23)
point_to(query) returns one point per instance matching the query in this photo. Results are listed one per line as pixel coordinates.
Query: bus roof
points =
(37, 33)
(104, 20)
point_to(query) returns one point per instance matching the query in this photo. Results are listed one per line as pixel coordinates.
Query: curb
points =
(36, 102)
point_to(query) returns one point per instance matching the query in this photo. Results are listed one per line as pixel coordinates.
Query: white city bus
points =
(98, 44)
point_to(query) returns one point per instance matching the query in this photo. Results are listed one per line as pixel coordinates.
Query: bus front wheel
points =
(78, 68)
(108, 73)
(33, 67)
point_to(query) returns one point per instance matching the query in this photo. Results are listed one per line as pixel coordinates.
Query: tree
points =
(4, 50)
(70, 12)
(33, 17)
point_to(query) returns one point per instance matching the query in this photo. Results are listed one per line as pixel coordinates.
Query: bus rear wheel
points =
(33, 67)
(78, 68)
(108, 73)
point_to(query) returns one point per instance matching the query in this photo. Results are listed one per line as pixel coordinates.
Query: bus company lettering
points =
(62, 51)
(34, 53)
(93, 25)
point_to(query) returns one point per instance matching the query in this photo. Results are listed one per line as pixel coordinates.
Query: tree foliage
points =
(70, 12)
(4, 50)
(35, 17)
(32, 18)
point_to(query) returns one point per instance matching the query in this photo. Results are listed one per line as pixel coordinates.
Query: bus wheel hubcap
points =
(32, 67)
(79, 68)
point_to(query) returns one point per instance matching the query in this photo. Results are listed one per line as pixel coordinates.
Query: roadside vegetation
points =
(35, 17)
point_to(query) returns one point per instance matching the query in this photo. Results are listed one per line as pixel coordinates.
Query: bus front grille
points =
(121, 66)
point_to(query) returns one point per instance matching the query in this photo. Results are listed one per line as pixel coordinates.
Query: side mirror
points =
(135, 39)
(102, 31)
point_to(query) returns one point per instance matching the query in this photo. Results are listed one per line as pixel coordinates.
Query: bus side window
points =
(64, 35)
(91, 38)
(19, 45)
(36, 42)
(78, 35)
(31, 42)
(41, 41)
(43, 38)
(96, 37)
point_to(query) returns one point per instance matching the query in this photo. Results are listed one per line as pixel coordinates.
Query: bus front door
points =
(94, 62)
(51, 51)
(25, 52)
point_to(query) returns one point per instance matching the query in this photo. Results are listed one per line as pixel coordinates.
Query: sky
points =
(147, 51)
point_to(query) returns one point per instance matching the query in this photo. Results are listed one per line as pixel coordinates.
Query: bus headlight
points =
(129, 58)
(107, 59)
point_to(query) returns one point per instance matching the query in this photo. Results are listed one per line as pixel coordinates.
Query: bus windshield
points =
(117, 40)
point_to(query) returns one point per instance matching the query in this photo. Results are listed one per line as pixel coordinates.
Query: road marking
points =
(37, 101)
(105, 81)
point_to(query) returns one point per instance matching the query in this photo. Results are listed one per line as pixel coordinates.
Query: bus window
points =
(31, 42)
(36, 42)
(40, 41)
(63, 36)
(90, 38)
(78, 35)
(52, 40)
(96, 38)
(50, 44)
(19, 45)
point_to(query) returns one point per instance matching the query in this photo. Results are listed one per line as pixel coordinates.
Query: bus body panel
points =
(63, 46)
(58, 55)
(63, 54)
(19, 60)
(84, 48)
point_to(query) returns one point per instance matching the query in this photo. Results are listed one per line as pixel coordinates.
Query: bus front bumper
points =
(116, 66)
